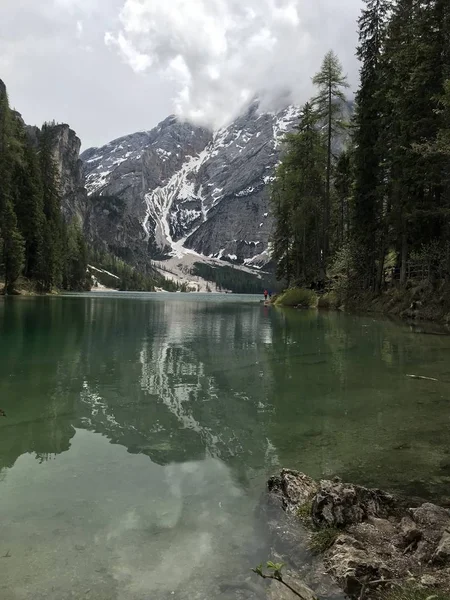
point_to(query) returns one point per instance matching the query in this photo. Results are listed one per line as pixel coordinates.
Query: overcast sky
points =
(112, 67)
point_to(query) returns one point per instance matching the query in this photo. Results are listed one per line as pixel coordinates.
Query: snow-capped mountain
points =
(181, 189)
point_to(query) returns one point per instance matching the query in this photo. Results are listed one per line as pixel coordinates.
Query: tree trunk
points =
(404, 259)
(383, 246)
(381, 259)
(326, 223)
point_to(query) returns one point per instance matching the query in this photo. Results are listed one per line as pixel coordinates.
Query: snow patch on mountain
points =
(190, 192)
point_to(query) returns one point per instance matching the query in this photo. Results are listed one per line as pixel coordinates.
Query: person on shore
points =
(270, 294)
(265, 295)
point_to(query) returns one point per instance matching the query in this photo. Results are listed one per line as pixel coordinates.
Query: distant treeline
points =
(235, 280)
(130, 279)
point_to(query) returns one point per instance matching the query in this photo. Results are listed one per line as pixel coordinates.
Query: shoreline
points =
(421, 303)
(340, 538)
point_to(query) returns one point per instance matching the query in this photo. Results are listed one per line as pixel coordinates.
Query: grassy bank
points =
(417, 301)
(297, 298)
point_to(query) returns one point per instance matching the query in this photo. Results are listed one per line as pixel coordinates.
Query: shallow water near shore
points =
(141, 429)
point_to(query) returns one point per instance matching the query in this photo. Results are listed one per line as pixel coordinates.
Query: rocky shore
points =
(338, 539)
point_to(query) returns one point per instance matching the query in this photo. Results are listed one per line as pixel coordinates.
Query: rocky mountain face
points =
(181, 189)
(66, 153)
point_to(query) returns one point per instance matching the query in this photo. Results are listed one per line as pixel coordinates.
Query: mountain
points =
(182, 190)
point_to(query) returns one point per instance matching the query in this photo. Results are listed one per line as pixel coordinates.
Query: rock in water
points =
(292, 488)
(379, 541)
(339, 505)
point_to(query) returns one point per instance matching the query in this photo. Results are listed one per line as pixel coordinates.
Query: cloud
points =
(80, 29)
(221, 53)
(138, 62)
(55, 64)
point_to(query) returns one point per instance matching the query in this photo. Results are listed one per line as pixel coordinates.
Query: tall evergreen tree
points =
(331, 82)
(414, 81)
(298, 203)
(29, 210)
(343, 184)
(75, 258)
(368, 121)
(12, 245)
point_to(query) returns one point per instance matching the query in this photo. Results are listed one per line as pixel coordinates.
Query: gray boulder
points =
(339, 505)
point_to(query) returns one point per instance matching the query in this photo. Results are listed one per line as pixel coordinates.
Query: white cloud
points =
(137, 60)
(219, 53)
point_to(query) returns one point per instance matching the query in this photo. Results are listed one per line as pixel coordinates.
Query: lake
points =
(141, 429)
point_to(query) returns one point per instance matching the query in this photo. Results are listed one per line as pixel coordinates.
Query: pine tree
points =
(414, 79)
(343, 184)
(75, 259)
(12, 250)
(281, 251)
(368, 202)
(298, 203)
(29, 210)
(329, 102)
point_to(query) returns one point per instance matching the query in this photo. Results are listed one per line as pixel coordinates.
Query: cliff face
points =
(74, 204)
(182, 189)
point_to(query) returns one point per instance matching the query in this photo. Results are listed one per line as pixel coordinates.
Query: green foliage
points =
(298, 201)
(274, 569)
(329, 301)
(234, 280)
(13, 248)
(304, 512)
(297, 297)
(384, 212)
(322, 539)
(329, 101)
(411, 592)
(75, 276)
(129, 278)
(344, 270)
(35, 241)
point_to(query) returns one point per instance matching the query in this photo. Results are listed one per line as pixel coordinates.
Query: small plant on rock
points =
(304, 513)
(274, 571)
(411, 592)
(322, 539)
